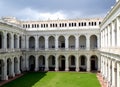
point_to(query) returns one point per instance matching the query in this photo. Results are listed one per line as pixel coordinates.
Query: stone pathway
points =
(10, 79)
(102, 82)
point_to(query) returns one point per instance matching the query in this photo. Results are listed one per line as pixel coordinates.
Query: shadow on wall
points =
(27, 80)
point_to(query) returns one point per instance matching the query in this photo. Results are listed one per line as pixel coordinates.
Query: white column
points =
(88, 42)
(56, 42)
(36, 63)
(109, 76)
(18, 65)
(98, 41)
(23, 42)
(66, 64)
(88, 63)
(108, 36)
(36, 42)
(77, 63)
(76, 42)
(101, 39)
(66, 42)
(56, 63)
(27, 62)
(5, 77)
(46, 63)
(113, 35)
(12, 41)
(118, 74)
(5, 41)
(118, 31)
(113, 73)
(27, 42)
(18, 41)
(46, 42)
(12, 68)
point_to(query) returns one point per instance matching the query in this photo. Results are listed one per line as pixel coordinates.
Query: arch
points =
(32, 42)
(83, 63)
(51, 42)
(93, 42)
(15, 65)
(8, 40)
(41, 63)
(72, 62)
(71, 42)
(20, 42)
(82, 42)
(21, 64)
(41, 42)
(51, 62)
(15, 41)
(61, 42)
(31, 63)
(1, 40)
(9, 67)
(94, 63)
(1, 69)
(61, 62)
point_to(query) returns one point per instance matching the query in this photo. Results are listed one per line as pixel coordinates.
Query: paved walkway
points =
(103, 84)
(10, 79)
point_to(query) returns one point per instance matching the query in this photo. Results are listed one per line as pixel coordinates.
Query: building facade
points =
(90, 44)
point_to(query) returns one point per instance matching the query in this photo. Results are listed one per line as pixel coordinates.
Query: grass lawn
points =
(55, 79)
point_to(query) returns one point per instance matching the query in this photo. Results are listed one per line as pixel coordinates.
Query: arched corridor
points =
(1, 69)
(72, 42)
(8, 40)
(51, 42)
(83, 63)
(32, 42)
(93, 42)
(61, 41)
(82, 42)
(72, 63)
(32, 63)
(9, 67)
(51, 62)
(94, 63)
(41, 42)
(41, 63)
(61, 64)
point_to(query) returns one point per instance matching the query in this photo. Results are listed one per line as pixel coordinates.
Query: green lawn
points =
(56, 79)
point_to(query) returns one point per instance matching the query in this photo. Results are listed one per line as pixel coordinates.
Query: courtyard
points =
(55, 79)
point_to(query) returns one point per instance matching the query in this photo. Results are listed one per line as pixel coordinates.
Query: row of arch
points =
(17, 40)
(62, 40)
(16, 65)
(61, 63)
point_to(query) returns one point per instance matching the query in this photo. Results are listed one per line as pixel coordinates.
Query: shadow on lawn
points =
(27, 80)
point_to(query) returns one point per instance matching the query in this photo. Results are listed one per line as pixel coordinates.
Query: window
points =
(99, 23)
(41, 25)
(84, 23)
(69, 24)
(28, 26)
(65, 25)
(89, 24)
(95, 23)
(23, 26)
(46, 25)
(37, 25)
(60, 24)
(79, 24)
(50, 25)
(32, 26)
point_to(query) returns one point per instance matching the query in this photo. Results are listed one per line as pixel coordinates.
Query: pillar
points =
(18, 66)
(5, 41)
(46, 63)
(36, 63)
(66, 42)
(56, 63)
(27, 42)
(12, 68)
(46, 42)
(113, 34)
(118, 74)
(56, 42)
(76, 42)
(88, 42)
(27, 63)
(18, 41)
(77, 63)
(5, 77)
(12, 41)
(36, 42)
(118, 31)
(66, 64)
(113, 73)
(88, 63)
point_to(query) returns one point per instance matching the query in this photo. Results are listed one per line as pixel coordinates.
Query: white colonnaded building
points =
(88, 44)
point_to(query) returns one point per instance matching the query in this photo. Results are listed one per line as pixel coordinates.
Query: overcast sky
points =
(54, 9)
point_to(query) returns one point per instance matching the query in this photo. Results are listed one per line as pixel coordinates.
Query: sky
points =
(54, 9)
